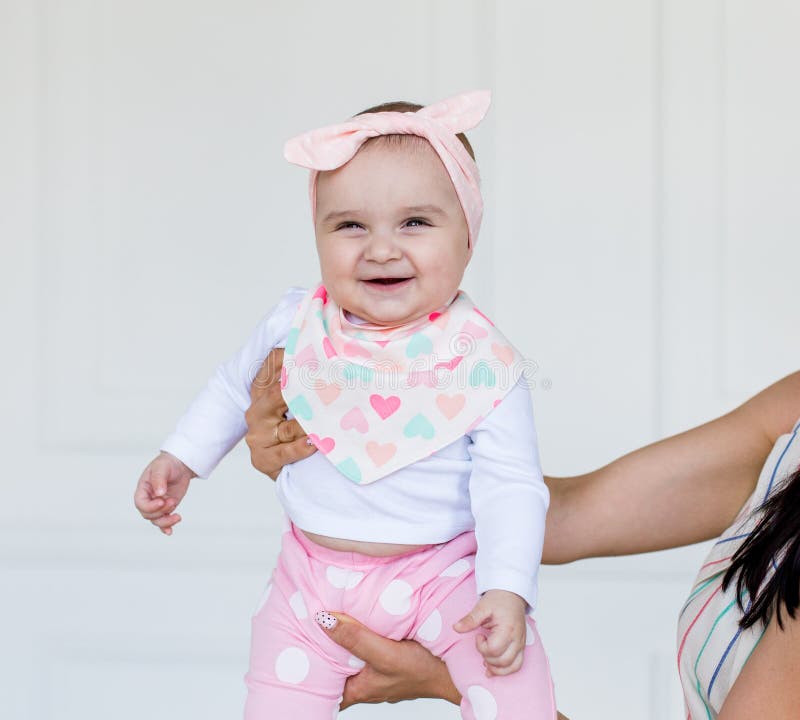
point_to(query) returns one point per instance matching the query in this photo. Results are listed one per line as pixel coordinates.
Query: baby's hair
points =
(403, 106)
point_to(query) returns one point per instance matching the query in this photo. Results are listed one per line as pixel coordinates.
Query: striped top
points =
(712, 648)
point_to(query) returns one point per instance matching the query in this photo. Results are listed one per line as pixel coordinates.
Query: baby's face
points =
(391, 234)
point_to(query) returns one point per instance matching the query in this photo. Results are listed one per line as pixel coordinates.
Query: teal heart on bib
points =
(482, 374)
(291, 340)
(419, 345)
(349, 468)
(358, 372)
(300, 408)
(419, 425)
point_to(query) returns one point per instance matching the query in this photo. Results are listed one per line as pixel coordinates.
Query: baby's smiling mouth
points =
(387, 280)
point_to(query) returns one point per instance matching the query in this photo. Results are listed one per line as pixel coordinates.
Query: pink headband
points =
(331, 147)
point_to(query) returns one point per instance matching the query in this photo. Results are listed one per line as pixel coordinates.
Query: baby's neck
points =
(356, 320)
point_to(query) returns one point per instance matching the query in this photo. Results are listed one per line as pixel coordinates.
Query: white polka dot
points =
(298, 606)
(431, 628)
(483, 703)
(341, 578)
(292, 666)
(355, 662)
(264, 597)
(459, 567)
(396, 598)
(530, 638)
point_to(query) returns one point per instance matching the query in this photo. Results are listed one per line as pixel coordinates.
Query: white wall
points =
(641, 178)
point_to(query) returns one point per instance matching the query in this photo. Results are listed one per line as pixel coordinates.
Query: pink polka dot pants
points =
(297, 671)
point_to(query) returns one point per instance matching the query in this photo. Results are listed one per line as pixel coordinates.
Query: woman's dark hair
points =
(403, 106)
(774, 544)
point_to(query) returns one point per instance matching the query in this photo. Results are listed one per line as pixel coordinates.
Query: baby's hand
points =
(502, 613)
(161, 487)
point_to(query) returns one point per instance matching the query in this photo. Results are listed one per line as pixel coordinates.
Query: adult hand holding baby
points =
(273, 440)
(395, 670)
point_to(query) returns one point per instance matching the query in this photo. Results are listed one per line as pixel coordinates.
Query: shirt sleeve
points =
(508, 497)
(214, 421)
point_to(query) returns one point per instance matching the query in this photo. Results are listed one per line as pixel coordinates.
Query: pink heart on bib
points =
(381, 454)
(327, 346)
(504, 353)
(324, 445)
(355, 350)
(327, 392)
(384, 406)
(450, 405)
(321, 293)
(354, 419)
(473, 330)
(450, 364)
(306, 356)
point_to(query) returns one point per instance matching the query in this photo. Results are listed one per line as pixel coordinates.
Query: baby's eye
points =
(417, 222)
(348, 226)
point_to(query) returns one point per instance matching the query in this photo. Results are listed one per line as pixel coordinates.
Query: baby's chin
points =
(388, 316)
(390, 319)
(387, 307)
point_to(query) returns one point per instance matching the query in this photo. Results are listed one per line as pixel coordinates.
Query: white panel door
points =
(640, 168)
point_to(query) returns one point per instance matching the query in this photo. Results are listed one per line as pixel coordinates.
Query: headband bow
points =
(331, 147)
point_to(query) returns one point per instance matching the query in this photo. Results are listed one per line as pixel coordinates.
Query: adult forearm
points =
(675, 492)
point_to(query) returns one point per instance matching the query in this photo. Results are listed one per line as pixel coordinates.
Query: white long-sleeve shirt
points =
(489, 480)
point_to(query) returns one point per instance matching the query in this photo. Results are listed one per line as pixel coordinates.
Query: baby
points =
(422, 515)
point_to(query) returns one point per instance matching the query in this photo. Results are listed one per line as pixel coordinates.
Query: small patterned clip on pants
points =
(297, 671)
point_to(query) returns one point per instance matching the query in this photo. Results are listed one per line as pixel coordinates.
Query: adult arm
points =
(675, 492)
(681, 490)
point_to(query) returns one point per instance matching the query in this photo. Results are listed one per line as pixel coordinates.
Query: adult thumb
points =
(355, 637)
(474, 619)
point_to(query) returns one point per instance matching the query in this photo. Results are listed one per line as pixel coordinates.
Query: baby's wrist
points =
(507, 596)
(177, 462)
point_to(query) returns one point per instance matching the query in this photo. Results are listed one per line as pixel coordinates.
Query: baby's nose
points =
(381, 247)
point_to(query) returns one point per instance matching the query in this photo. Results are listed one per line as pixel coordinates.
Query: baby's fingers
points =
(505, 658)
(159, 507)
(497, 644)
(515, 665)
(167, 522)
